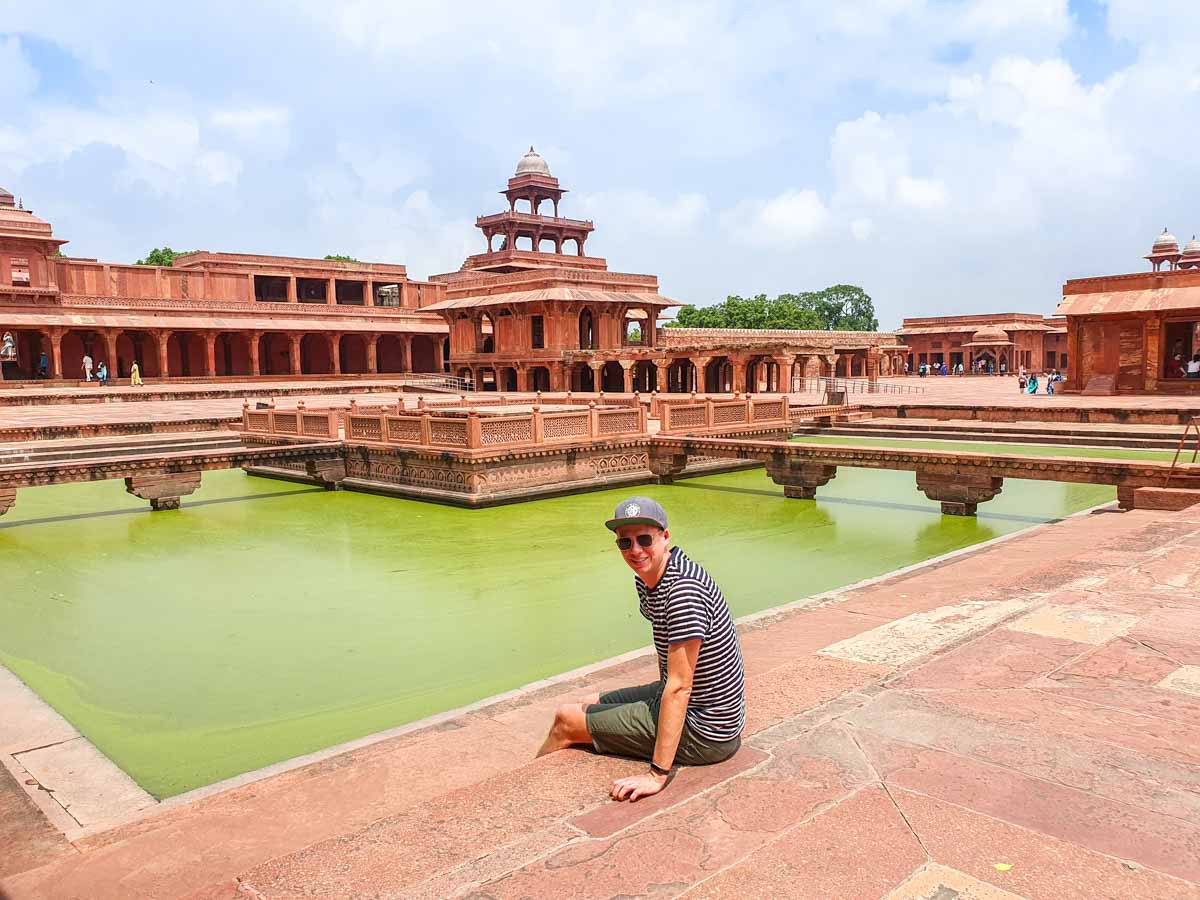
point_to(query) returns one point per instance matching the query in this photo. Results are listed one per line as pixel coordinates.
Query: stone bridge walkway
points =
(1022, 720)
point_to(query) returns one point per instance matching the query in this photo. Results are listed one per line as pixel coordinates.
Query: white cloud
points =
(18, 78)
(218, 167)
(785, 220)
(680, 215)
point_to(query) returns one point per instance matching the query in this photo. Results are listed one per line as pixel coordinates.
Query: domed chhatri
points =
(1190, 258)
(1165, 250)
(1164, 243)
(532, 164)
(990, 335)
(7, 199)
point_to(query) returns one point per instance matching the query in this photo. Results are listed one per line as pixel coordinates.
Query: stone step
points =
(1146, 431)
(38, 454)
(1017, 437)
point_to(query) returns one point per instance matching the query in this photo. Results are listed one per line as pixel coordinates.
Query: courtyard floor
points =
(1020, 720)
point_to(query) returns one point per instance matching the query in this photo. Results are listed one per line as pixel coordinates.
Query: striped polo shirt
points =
(687, 604)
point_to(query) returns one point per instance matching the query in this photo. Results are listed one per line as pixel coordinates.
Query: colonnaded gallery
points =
(532, 312)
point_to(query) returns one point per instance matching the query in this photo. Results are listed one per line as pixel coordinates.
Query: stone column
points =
(294, 352)
(372, 353)
(661, 367)
(164, 356)
(255, 337)
(959, 494)
(369, 292)
(210, 353)
(335, 355)
(407, 366)
(699, 368)
(439, 353)
(56, 336)
(597, 374)
(785, 362)
(110, 352)
(161, 489)
(628, 372)
(739, 377)
(331, 291)
(800, 479)
(291, 289)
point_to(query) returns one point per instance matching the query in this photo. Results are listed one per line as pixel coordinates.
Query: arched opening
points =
(681, 376)
(587, 330)
(467, 376)
(445, 354)
(762, 375)
(508, 379)
(487, 379)
(185, 354)
(74, 345)
(718, 376)
(389, 353)
(546, 245)
(857, 367)
(582, 378)
(539, 379)
(486, 336)
(274, 354)
(139, 347)
(840, 369)
(352, 354)
(232, 355)
(424, 353)
(612, 377)
(29, 347)
(645, 376)
(314, 355)
(634, 328)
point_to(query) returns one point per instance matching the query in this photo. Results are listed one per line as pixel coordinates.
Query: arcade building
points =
(991, 344)
(526, 315)
(1136, 333)
(533, 312)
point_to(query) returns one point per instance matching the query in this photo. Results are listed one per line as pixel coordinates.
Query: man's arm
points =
(681, 667)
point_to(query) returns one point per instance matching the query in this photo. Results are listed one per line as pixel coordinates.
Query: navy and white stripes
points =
(687, 604)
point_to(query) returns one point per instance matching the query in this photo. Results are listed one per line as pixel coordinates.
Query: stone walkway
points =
(1002, 391)
(1021, 720)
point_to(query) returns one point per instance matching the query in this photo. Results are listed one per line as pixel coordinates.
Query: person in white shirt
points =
(1193, 366)
(87, 366)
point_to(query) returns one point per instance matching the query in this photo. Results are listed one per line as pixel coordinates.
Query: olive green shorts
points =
(625, 723)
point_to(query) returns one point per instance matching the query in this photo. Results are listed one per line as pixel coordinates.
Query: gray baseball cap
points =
(638, 511)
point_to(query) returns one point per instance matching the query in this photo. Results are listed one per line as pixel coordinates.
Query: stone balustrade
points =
(712, 414)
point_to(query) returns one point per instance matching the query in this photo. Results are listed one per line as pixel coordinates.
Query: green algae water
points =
(265, 620)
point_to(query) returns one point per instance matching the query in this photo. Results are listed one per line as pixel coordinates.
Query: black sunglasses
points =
(644, 540)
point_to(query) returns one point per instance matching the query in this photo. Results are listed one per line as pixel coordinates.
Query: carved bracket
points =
(330, 472)
(959, 495)
(800, 479)
(163, 490)
(8, 496)
(665, 463)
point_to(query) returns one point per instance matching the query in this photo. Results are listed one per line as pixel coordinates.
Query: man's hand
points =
(638, 786)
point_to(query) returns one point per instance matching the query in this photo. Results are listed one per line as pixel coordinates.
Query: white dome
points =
(1192, 249)
(1165, 243)
(532, 164)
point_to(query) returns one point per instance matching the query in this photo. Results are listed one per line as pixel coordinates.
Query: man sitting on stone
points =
(693, 715)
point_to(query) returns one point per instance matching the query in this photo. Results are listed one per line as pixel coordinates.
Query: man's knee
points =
(570, 722)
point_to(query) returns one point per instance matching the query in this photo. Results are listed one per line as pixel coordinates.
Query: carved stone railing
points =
(709, 414)
(393, 426)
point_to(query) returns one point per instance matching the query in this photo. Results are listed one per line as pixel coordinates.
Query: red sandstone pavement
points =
(1051, 752)
(1002, 391)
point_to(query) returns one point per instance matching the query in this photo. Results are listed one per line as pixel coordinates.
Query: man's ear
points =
(666, 535)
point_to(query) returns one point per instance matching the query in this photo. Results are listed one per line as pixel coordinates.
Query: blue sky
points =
(950, 157)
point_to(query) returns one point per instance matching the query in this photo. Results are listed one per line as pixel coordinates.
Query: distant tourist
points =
(135, 375)
(1193, 366)
(1022, 382)
(1022, 372)
(1003, 364)
(694, 714)
(1033, 383)
(960, 369)
(102, 374)
(943, 370)
(1175, 367)
(1049, 384)
(43, 365)
(87, 366)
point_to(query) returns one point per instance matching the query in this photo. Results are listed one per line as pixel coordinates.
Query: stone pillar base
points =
(8, 496)
(329, 472)
(666, 464)
(800, 480)
(163, 491)
(1125, 498)
(960, 495)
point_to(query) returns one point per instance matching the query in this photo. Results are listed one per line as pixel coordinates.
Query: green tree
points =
(162, 257)
(845, 307)
(338, 257)
(841, 307)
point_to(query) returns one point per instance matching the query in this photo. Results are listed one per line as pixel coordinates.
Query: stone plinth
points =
(8, 496)
(329, 472)
(163, 490)
(799, 479)
(1163, 498)
(959, 495)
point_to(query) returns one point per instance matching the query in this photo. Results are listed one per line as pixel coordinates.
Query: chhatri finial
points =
(531, 148)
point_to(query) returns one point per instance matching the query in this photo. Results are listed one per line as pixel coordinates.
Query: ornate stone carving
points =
(161, 489)
(959, 494)
(800, 479)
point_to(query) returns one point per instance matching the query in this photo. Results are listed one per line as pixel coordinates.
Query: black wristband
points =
(657, 769)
